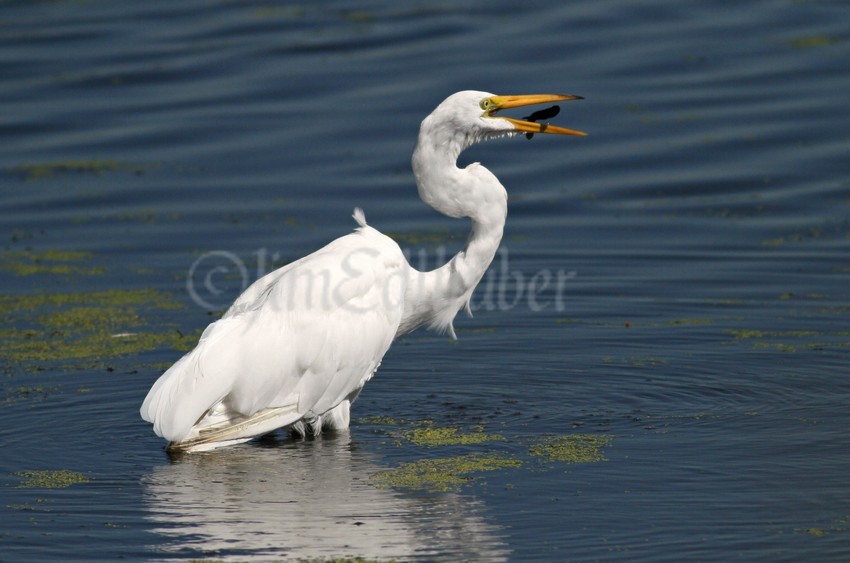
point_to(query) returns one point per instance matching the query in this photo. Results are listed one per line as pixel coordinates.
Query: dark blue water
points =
(676, 282)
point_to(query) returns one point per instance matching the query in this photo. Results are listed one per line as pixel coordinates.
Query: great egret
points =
(297, 347)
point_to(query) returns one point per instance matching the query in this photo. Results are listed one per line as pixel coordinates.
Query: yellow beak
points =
(497, 103)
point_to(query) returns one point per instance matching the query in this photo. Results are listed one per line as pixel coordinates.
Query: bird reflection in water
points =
(312, 498)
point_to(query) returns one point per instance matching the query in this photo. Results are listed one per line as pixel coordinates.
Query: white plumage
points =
(296, 348)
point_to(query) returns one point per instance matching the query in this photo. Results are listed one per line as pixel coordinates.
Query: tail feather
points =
(359, 216)
(234, 431)
(189, 389)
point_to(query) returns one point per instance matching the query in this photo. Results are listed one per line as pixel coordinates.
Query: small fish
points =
(540, 115)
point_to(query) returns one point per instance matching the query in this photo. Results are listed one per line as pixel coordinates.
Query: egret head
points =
(477, 115)
(464, 119)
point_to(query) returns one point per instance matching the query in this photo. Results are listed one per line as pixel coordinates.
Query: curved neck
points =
(434, 298)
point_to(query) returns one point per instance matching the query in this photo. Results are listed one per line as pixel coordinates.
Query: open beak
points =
(498, 103)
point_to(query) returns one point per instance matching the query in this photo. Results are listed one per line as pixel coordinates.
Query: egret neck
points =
(435, 297)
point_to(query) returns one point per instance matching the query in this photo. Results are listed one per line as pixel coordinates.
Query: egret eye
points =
(485, 104)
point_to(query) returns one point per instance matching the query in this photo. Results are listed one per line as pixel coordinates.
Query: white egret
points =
(297, 347)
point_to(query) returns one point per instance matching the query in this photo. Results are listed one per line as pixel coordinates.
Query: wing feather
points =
(309, 334)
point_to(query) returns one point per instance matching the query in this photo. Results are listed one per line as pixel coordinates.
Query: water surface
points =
(674, 284)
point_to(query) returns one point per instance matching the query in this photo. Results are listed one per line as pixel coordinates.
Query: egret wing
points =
(302, 339)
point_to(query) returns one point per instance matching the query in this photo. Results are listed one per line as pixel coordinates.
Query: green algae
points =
(790, 340)
(95, 326)
(685, 322)
(776, 345)
(742, 334)
(57, 262)
(46, 479)
(697, 416)
(694, 321)
(838, 526)
(111, 297)
(46, 170)
(646, 361)
(28, 393)
(576, 448)
(381, 420)
(145, 215)
(809, 235)
(432, 437)
(358, 16)
(434, 236)
(29, 507)
(635, 361)
(345, 559)
(812, 41)
(481, 330)
(452, 473)
(275, 12)
(441, 474)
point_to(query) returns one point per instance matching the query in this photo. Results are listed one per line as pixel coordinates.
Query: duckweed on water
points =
(428, 237)
(813, 41)
(695, 321)
(29, 393)
(277, 12)
(441, 475)
(85, 326)
(451, 473)
(49, 479)
(352, 559)
(791, 340)
(346, 559)
(577, 448)
(635, 361)
(383, 420)
(29, 507)
(44, 170)
(431, 437)
(57, 262)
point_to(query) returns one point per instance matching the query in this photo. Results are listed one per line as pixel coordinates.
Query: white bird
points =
(297, 347)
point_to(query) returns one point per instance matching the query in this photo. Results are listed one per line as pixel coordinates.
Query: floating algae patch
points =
(431, 437)
(278, 12)
(45, 170)
(480, 330)
(576, 448)
(636, 361)
(791, 340)
(343, 559)
(29, 507)
(694, 321)
(28, 393)
(380, 420)
(442, 474)
(146, 215)
(59, 479)
(57, 262)
(427, 237)
(96, 326)
(813, 41)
